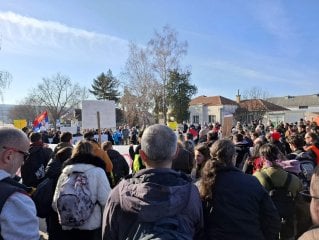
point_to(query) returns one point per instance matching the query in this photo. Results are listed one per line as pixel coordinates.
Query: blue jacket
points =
(240, 209)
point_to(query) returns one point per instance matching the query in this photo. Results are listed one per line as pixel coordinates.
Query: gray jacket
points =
(152, 194)
(18, 218)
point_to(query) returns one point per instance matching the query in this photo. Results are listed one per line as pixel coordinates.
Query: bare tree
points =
(166, 52)
(25, 110)
(128, 102)
(255, 93)
(58, 95)
(141, 83)
(251, 107)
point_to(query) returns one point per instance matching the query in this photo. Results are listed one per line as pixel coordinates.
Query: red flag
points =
(37, 121)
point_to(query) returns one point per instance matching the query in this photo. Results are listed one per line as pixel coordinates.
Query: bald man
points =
(18, 218)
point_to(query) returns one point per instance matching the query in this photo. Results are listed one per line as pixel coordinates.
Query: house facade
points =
(205, 109)
(259, 109)
(303, 106)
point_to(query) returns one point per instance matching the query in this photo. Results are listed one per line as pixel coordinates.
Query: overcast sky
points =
(233, 44)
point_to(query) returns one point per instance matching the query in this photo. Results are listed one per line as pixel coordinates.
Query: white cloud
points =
(25, 35)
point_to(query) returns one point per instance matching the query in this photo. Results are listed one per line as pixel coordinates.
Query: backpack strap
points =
(268, 179)
(9, 186)
(287, 182)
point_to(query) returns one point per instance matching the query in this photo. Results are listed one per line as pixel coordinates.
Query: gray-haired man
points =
(17, 211)
(154, 194)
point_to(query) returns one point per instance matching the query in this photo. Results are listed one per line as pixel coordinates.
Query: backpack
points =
(163, 229)
(74, 202)
(33, 169)
(43, 196)
(285, 204)
(282, 197)
(307, 167)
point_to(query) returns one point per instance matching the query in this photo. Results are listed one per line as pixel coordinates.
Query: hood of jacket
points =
(61, 145)
(155, 193)
(83, 159)
(35, 147)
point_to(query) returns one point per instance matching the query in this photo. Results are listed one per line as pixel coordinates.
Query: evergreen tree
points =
(105, 87)
(180, 92)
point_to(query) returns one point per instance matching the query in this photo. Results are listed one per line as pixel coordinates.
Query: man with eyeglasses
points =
(312, 196)
(18, 218)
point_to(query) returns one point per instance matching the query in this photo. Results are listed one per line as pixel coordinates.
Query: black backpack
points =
(163, 229)
(33, 169)
(282, 197)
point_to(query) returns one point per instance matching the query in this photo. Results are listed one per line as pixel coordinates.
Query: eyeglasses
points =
(25, 154)
(305, 194)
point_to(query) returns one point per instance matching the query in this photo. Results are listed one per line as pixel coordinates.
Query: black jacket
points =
(241, 209)
(33, 169)
(120, 166)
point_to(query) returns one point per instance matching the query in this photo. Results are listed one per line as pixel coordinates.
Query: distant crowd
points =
(261, 182)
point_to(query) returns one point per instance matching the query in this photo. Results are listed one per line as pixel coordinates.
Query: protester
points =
(18, 218)
(155, 194)
(93, 176)
(201, 156)
(312, 145)
(98, 151)
(120, 166)
(126, 135)
(235, 205)
(271, 176)
(33, 168)
(183, 160)
(65, 141)
(53, 171)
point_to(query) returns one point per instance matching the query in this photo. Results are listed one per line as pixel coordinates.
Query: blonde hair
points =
(82, 147)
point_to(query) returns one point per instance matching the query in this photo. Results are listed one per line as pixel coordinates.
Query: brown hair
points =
(222, 153)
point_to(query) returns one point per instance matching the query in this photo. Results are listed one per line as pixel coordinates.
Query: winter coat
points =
(99, 186)
(62, 145)
(241, 209)
(33, 169)
(120, 166)
(149, 195)
(278, 177)
(18, 218)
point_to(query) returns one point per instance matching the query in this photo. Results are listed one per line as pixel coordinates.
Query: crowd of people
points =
(191, 184)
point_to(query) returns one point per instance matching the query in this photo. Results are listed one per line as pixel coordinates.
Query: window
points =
(211, 118)
(195, 119)
(303, 107)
